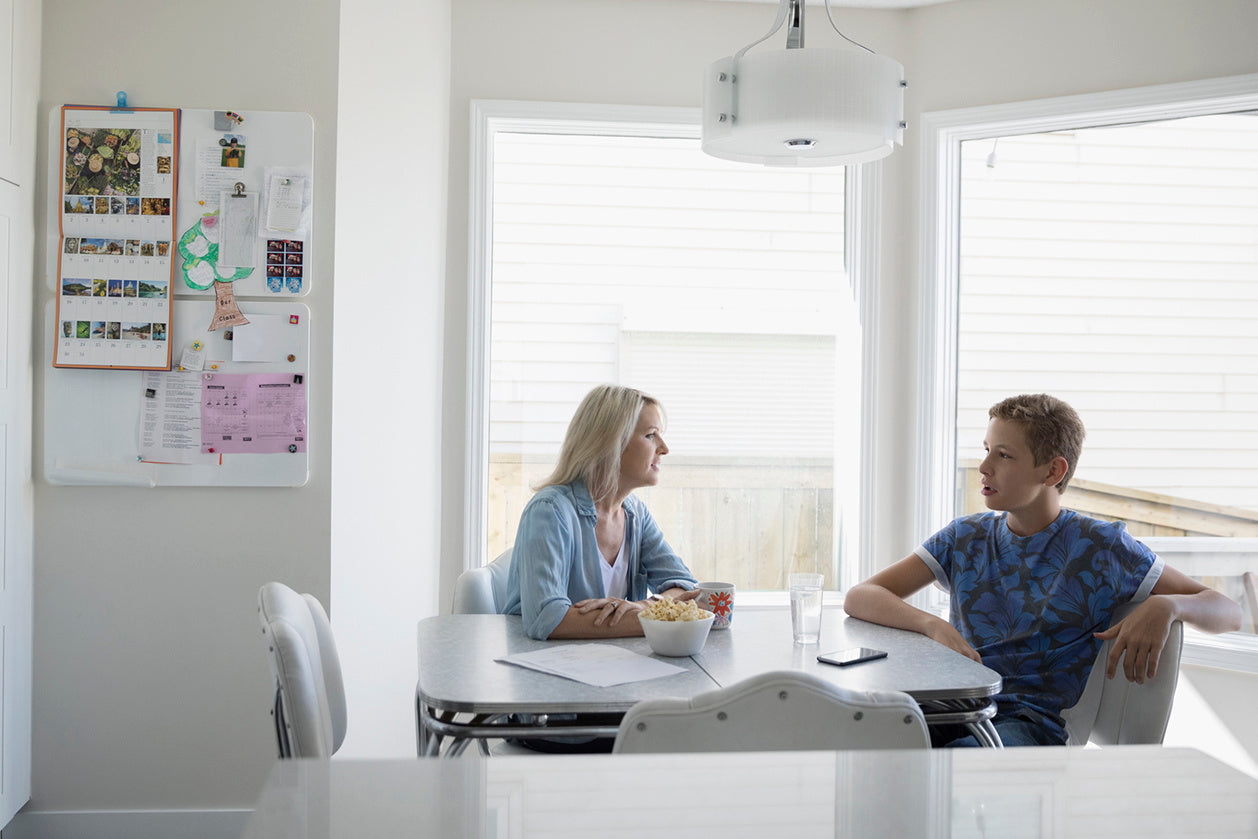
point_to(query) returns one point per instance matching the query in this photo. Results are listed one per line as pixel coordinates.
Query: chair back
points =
(480, 591)
(1250, 579)
(309, 708)
(1116, 712)
(787, 710)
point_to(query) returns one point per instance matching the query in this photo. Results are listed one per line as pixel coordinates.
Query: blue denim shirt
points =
(555, 559)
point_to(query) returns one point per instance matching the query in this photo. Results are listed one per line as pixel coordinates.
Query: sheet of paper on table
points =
(601, 665)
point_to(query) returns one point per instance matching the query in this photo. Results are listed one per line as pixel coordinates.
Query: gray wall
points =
(150, 680)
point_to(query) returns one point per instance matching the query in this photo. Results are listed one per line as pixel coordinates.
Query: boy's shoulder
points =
(1071, 526)
(1097, 530)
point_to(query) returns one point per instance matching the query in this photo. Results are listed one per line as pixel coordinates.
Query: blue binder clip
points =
(121, 107)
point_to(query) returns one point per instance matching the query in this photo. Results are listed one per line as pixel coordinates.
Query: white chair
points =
(309, 692)
(787, 710)
(1250, 581)
(481, 591)
(1116, 712)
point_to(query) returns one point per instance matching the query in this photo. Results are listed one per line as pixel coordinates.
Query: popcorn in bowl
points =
(668, 609)
(675, 628)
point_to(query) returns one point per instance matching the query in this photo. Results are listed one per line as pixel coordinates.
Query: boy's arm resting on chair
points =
(881, 600)
(1142, 634)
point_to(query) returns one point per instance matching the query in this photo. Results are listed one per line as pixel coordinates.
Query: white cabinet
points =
(19, 90)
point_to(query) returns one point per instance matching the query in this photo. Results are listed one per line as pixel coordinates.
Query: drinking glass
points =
(806, 607)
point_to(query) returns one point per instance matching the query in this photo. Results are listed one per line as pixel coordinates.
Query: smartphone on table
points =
(852, 655)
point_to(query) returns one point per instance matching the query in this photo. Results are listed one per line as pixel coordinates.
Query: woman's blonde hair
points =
(597, 435)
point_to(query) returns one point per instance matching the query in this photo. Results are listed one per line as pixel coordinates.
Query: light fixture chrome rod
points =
(783, 8)
(795, 26)
(835, 26)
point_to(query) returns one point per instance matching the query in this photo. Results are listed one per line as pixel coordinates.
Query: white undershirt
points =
(615, 577)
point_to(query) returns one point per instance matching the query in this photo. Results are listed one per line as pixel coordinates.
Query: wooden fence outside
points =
(1145, 513)
(749, 524)
(752, 524)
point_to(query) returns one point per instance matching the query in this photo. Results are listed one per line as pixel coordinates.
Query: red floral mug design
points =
(717, 598)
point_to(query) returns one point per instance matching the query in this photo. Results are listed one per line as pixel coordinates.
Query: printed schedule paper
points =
(170, 419)
(119, 176)
(253, 413)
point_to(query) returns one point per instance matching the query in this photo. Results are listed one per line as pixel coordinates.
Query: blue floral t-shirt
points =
(1029, 605)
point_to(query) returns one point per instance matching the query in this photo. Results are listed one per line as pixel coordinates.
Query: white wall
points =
(390, 227)
(150, 678)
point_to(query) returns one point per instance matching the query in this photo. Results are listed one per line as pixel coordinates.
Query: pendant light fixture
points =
(798, 107)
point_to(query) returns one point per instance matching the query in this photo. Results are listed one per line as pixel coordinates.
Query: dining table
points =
(465, 692)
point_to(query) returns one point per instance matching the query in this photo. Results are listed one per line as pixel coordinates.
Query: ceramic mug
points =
(717, 598)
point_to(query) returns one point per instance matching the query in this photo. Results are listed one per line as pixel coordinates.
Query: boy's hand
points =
(1138, 640)
(946, 634)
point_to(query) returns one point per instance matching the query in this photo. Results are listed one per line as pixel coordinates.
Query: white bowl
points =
(677, 638)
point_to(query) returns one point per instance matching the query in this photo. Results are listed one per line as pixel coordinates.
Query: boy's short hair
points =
(1051, 426)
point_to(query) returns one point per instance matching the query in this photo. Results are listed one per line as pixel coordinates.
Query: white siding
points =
(714, 286)
(733, 399)
(1117, 268)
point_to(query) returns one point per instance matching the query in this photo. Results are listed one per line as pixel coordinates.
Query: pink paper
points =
(262, 413)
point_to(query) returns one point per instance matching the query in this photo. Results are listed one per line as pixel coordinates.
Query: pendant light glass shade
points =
(803, 107)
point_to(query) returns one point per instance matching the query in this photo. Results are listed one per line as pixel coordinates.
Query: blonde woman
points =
(587, 553)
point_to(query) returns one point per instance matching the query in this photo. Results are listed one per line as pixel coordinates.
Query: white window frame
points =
(942, 133)
(862, 240)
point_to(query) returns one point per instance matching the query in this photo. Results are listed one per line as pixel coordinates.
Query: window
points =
(613, 250)
(1103, 250)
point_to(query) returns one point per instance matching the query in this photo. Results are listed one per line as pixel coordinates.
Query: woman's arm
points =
(880, 599)
(600, 617)
(543, 557)
(610, 617)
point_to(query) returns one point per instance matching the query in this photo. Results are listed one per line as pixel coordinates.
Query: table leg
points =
(975, 714)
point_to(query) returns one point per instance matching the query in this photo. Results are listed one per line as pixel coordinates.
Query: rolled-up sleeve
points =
(544, 544)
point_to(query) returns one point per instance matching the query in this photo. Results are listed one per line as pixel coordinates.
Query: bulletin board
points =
(269, 145)
(95, 423)
(92, 418)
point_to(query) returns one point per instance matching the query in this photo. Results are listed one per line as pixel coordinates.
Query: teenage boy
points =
(1034, 587)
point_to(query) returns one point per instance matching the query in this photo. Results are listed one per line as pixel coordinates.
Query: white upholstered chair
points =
(481, 591)
(1116, 712)
(787, 710)
(1250, 580)
(309, 692)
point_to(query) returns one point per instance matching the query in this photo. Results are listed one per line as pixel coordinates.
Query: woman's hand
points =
(611, 609)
